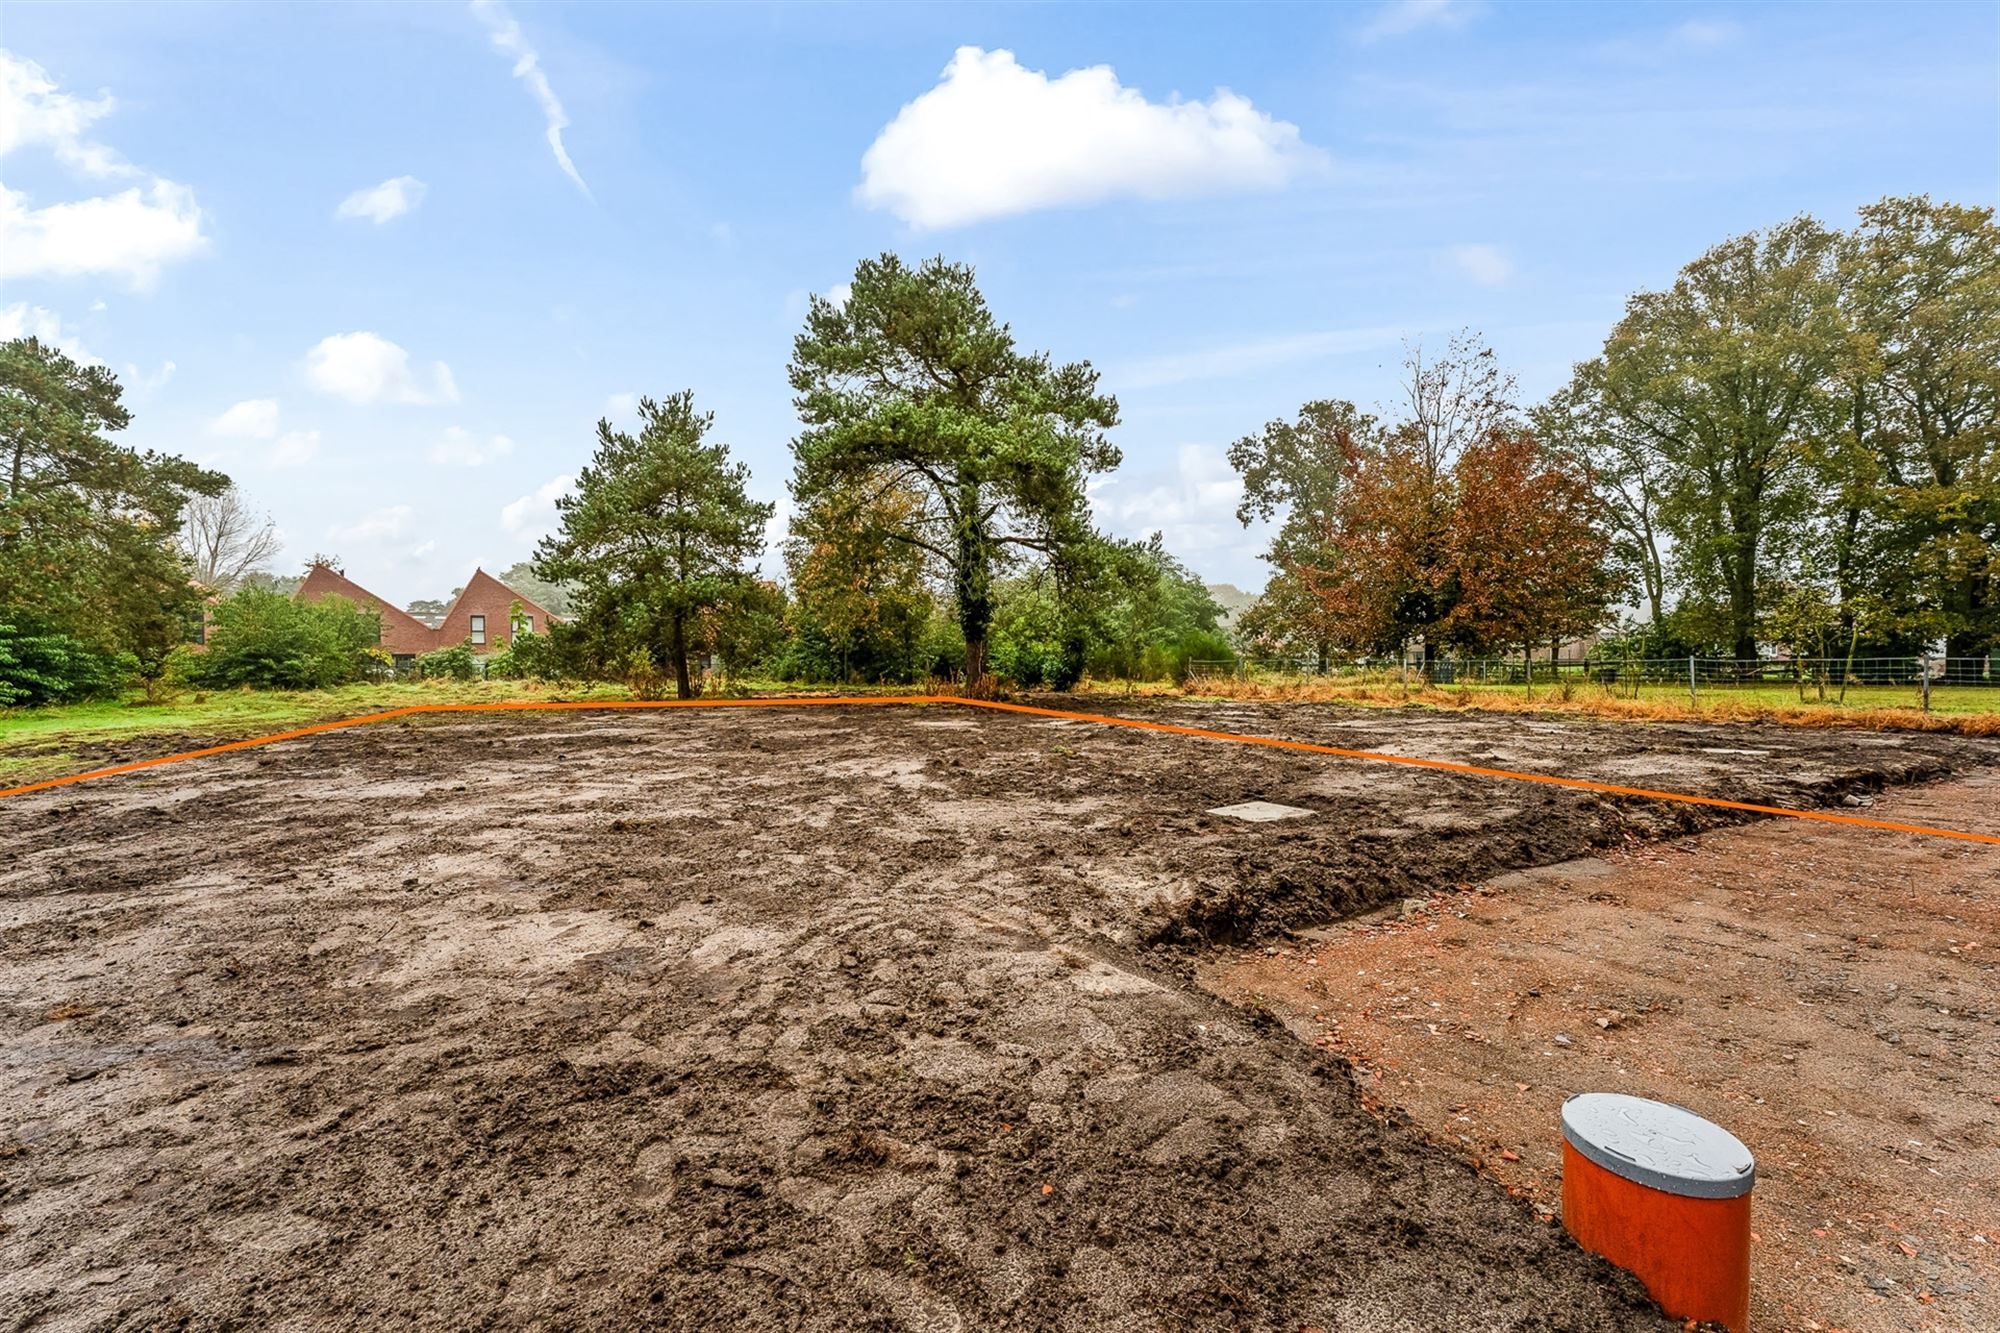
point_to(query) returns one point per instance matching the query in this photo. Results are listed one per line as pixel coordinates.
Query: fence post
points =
(1924, 670)
(1694, 699)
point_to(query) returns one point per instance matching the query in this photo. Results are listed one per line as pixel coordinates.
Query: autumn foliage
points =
(1455, 528)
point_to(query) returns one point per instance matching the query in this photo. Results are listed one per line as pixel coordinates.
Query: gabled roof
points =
(482, 588)
(401, 631)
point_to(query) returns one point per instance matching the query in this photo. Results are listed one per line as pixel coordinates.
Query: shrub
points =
(453, 663)
(642, 676)
(528, 657)
(265, 639)
(40, 665)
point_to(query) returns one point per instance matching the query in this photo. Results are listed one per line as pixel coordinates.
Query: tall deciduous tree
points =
(658, 531)
(1727, 375)
(1528, 549)
(912, 382)
(87, 526)
(1291, 472)
(224, 540)
(1921, 285)
(855, 577)
(1629, 476)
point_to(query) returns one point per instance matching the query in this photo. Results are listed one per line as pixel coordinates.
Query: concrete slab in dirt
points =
(1260, 812)
(958, 724)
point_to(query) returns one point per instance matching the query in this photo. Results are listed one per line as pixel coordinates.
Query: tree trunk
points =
(1743, 600)
(972, 579)
(677, 648)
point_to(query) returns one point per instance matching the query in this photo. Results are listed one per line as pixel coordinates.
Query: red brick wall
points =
(488, 597)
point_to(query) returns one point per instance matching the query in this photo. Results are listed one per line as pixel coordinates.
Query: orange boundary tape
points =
(1101, 719)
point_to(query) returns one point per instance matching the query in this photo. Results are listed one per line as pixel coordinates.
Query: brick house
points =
(488, 614)
(482, 616)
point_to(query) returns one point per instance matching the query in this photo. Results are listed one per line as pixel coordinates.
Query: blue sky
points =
(337, 252)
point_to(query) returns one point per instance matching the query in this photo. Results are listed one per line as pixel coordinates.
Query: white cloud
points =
(1487, 265)
(251, 419)
(839, 292)
(1400, 17)
(22, 320)
(295, 448)
(131, 234)
(535, 513)
(509, 41)
(364, 367)
(994, 138)
(1193, 506)
(1245, 357)
(378, 525)
(461, 448)
(379, 203)
(621, 405)
(34, 113)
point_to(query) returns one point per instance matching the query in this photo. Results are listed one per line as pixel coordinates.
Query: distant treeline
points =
(1794, 445)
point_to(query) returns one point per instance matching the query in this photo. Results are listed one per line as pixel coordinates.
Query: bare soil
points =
(772, 1019)
(1831, 995)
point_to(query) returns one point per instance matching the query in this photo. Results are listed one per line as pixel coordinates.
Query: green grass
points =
(44, 742)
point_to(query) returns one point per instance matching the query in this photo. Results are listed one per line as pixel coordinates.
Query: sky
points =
(388, 265)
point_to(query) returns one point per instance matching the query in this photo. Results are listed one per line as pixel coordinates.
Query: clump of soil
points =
(803, 1019)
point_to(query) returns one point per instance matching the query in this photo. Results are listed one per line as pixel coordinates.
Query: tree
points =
(658, 531)
(1726, 377)
(266, 639)
(1292, 471)
(1387, 573)
(1921, 287)
(911, 382)
(224, 540)
(1159, 616)
(87, 527)
(551, 597)
(1528, 549)
(856, 579)
(1628, 475)
(432, 607)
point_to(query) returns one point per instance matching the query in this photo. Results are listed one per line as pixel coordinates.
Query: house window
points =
(523, 624)
(478, 631)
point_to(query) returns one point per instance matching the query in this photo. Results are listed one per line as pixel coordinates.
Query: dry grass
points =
(1588, 703)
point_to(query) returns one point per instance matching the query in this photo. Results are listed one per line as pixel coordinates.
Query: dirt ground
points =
(779, 1019)
(1831, 995)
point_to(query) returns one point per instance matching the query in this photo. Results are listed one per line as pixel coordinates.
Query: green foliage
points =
(264, 639)
(912, 383)
(861, 590)
(1027, 642)
(1154, 616)
(659, 533)
(88, 527)
(40, 665)
(552, 597)
(453, 663)
(534, 656)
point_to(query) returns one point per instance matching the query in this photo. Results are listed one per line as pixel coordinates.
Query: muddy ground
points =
(1832, 995)
(794, 1019)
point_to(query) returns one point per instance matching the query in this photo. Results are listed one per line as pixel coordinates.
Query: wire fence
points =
(1917, 680)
